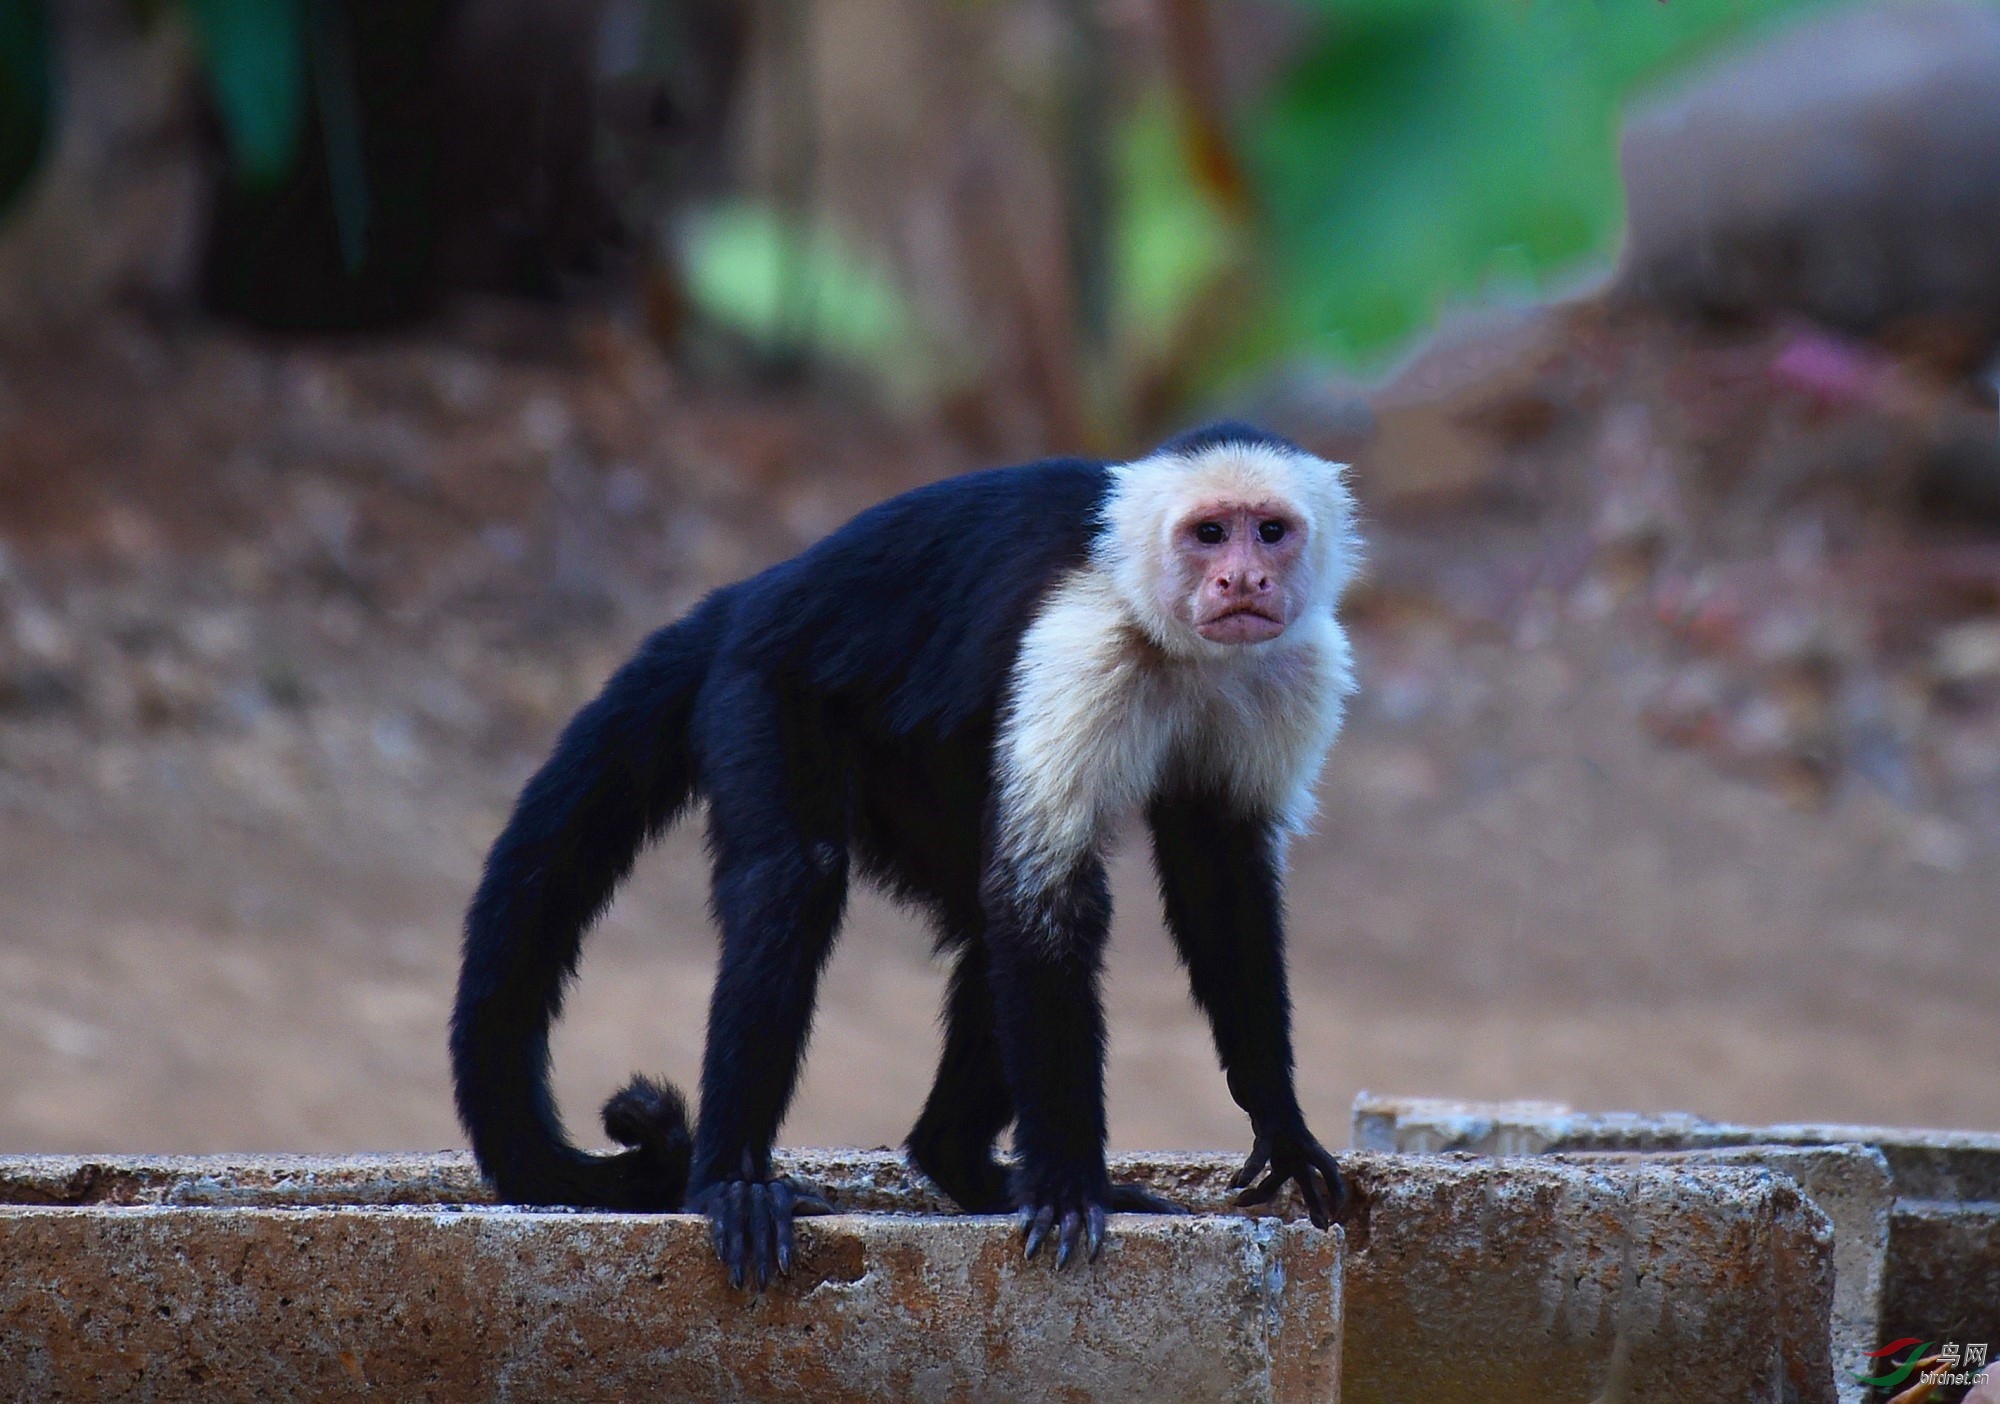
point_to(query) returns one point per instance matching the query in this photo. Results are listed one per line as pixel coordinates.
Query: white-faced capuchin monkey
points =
(957, 696)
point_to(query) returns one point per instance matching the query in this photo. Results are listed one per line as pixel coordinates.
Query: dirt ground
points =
(286, 629)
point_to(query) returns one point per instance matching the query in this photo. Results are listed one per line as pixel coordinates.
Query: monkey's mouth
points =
(1241, 624)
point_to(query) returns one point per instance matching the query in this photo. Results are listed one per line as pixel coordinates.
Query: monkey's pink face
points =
(1238, 573)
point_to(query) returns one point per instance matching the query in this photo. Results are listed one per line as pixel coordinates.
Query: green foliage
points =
(787, 290)
(27, 95)
(254, 55)
(1169, 240)
(1426, 149)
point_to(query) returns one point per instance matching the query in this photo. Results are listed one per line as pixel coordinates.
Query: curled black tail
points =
(621, 773)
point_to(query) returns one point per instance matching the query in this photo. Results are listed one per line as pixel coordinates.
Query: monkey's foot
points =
(1130, 1198)
(750, 1222)
(976, 1184)
(1294, 1155)
(982, 1188)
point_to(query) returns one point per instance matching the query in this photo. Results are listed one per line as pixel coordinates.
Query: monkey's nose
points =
(1227, 585)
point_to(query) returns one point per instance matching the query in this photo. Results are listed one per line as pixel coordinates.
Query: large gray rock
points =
(1847, 167)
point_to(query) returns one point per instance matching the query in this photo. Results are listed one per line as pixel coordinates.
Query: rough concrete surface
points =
(863, 1180)
(1852, 1185)
(243, 1181)
(1529, 1280)
(1940, 1275)
(484, 1303)
(1466, 1279)
(1927, 1164)
(1943, 1274)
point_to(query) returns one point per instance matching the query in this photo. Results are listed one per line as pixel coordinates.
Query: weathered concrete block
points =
(1473, 1279)
(1943, 1273)
(242, 1181)
(153, 1302)
(1504, 1280)
(1940, 1274)
(1926, 1164)
(1424, 1125)
(1851, 1184)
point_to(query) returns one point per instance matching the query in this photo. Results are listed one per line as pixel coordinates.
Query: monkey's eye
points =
(1272, 531)
(1210, 534)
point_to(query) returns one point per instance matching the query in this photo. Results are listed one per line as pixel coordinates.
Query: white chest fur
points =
(1099, 718)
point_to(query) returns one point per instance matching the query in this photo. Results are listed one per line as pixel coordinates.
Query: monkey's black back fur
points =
(841, 703)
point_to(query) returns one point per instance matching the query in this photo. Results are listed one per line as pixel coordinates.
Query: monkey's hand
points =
(750, 1222)
(1293, 1154)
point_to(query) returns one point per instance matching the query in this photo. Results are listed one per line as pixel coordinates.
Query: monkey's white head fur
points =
(1094, 725)
(1150, 497)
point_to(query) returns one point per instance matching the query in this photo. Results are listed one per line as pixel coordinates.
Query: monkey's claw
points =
(750, 1224)
(1078, 1225)
(1295, 1156)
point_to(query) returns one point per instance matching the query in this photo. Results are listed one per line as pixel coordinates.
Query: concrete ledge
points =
(867, 1181)
(1466, 1279)
(483, 1303)
(1933, 1272)
(243, 1181)
(1926, 1164)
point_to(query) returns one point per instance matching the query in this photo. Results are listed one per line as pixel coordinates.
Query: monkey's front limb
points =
(1045, 953)
(1219, 873)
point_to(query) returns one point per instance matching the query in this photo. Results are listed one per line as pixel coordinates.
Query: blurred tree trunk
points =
(1086, 166)
(112, 214)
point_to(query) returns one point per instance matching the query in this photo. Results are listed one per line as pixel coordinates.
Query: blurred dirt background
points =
(1674, 780)
(273, 677)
